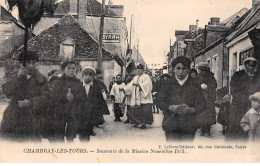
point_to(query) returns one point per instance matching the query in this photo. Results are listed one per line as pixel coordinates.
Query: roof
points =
(93, 8)
(7, 16)
(136, 56)
(247, 21)
(218, 28)
(230, 20)
(47, 43)
(178, 32)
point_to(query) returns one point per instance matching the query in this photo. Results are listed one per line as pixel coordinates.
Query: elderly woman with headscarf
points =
(208, 86)
(243, 84)
(181, 100)
(68, 100)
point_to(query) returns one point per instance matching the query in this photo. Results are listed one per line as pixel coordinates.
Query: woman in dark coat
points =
(208, 85)
(30, 97)
(243, 84)
(68, 100)
(181, 101)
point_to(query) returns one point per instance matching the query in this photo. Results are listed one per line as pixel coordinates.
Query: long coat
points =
(208, 116)
(173, 93)
(104, 106)
(90, 115)
(65, 111)
(241, 87)
(28, 122)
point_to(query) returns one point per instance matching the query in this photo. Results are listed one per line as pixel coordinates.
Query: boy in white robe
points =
(117, 96)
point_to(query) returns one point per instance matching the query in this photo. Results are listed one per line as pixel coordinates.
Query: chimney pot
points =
(214, 20)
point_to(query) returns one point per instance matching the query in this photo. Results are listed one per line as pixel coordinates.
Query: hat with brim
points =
(203, 66)
(88, 68)
(255, 97)
(66, 63)
(250, 59)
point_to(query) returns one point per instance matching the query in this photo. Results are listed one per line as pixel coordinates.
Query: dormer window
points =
(67, 49)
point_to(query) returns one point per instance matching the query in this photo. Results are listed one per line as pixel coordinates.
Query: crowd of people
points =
(65, 106)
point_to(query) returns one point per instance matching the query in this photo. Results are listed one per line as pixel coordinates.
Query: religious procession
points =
(62, 82)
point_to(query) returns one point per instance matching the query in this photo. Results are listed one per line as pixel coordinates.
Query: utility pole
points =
(130, 40)
(99, 58)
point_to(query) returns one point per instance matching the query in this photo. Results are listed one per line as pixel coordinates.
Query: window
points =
(67, 49)
(8, 35)
(245, 54)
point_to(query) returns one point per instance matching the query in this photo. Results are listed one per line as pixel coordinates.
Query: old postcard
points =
(129, 81)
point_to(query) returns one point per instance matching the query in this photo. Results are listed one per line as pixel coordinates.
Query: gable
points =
(48, 42)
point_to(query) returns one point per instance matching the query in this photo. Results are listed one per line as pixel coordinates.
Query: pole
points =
(99, 58)
(130, 41)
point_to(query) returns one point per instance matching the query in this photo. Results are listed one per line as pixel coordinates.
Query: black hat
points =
(181, 59)
(140, 66)
(66, 63)
(30, 55)
(98, 71)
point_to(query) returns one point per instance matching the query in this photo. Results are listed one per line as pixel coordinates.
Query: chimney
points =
(82, 13)
(254, 2)
(197, 27)
(117, 9)
(214, 20)
(73, 7)
(192, 29)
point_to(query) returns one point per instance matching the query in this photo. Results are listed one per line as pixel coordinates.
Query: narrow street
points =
(120, 131)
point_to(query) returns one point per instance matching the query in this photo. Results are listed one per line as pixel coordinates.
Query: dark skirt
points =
(141, 114)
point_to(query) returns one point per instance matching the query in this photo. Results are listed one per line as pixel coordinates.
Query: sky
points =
(155, 21)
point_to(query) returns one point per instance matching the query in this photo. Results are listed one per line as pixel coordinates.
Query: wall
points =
(111, 25)
(14, 40)
(237, 48)
(215, 55)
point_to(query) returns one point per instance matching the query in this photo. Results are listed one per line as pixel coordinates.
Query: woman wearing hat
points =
(243, 84)
(30, 97)
(208, 86)
(68, 100)
(181, 100)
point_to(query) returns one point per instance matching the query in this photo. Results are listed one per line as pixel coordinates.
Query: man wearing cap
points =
(141, 90)
(243, 84)
(208, 85)
(28, 90)
(90, 115)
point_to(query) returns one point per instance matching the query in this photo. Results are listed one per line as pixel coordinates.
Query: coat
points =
(28, 122)
(173, 93)
(104, 106)
(65, 111)
(241, 87)
(208, 116)
(90, 114)
(250, 123)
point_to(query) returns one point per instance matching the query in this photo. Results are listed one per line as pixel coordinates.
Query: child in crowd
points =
(250, 122)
